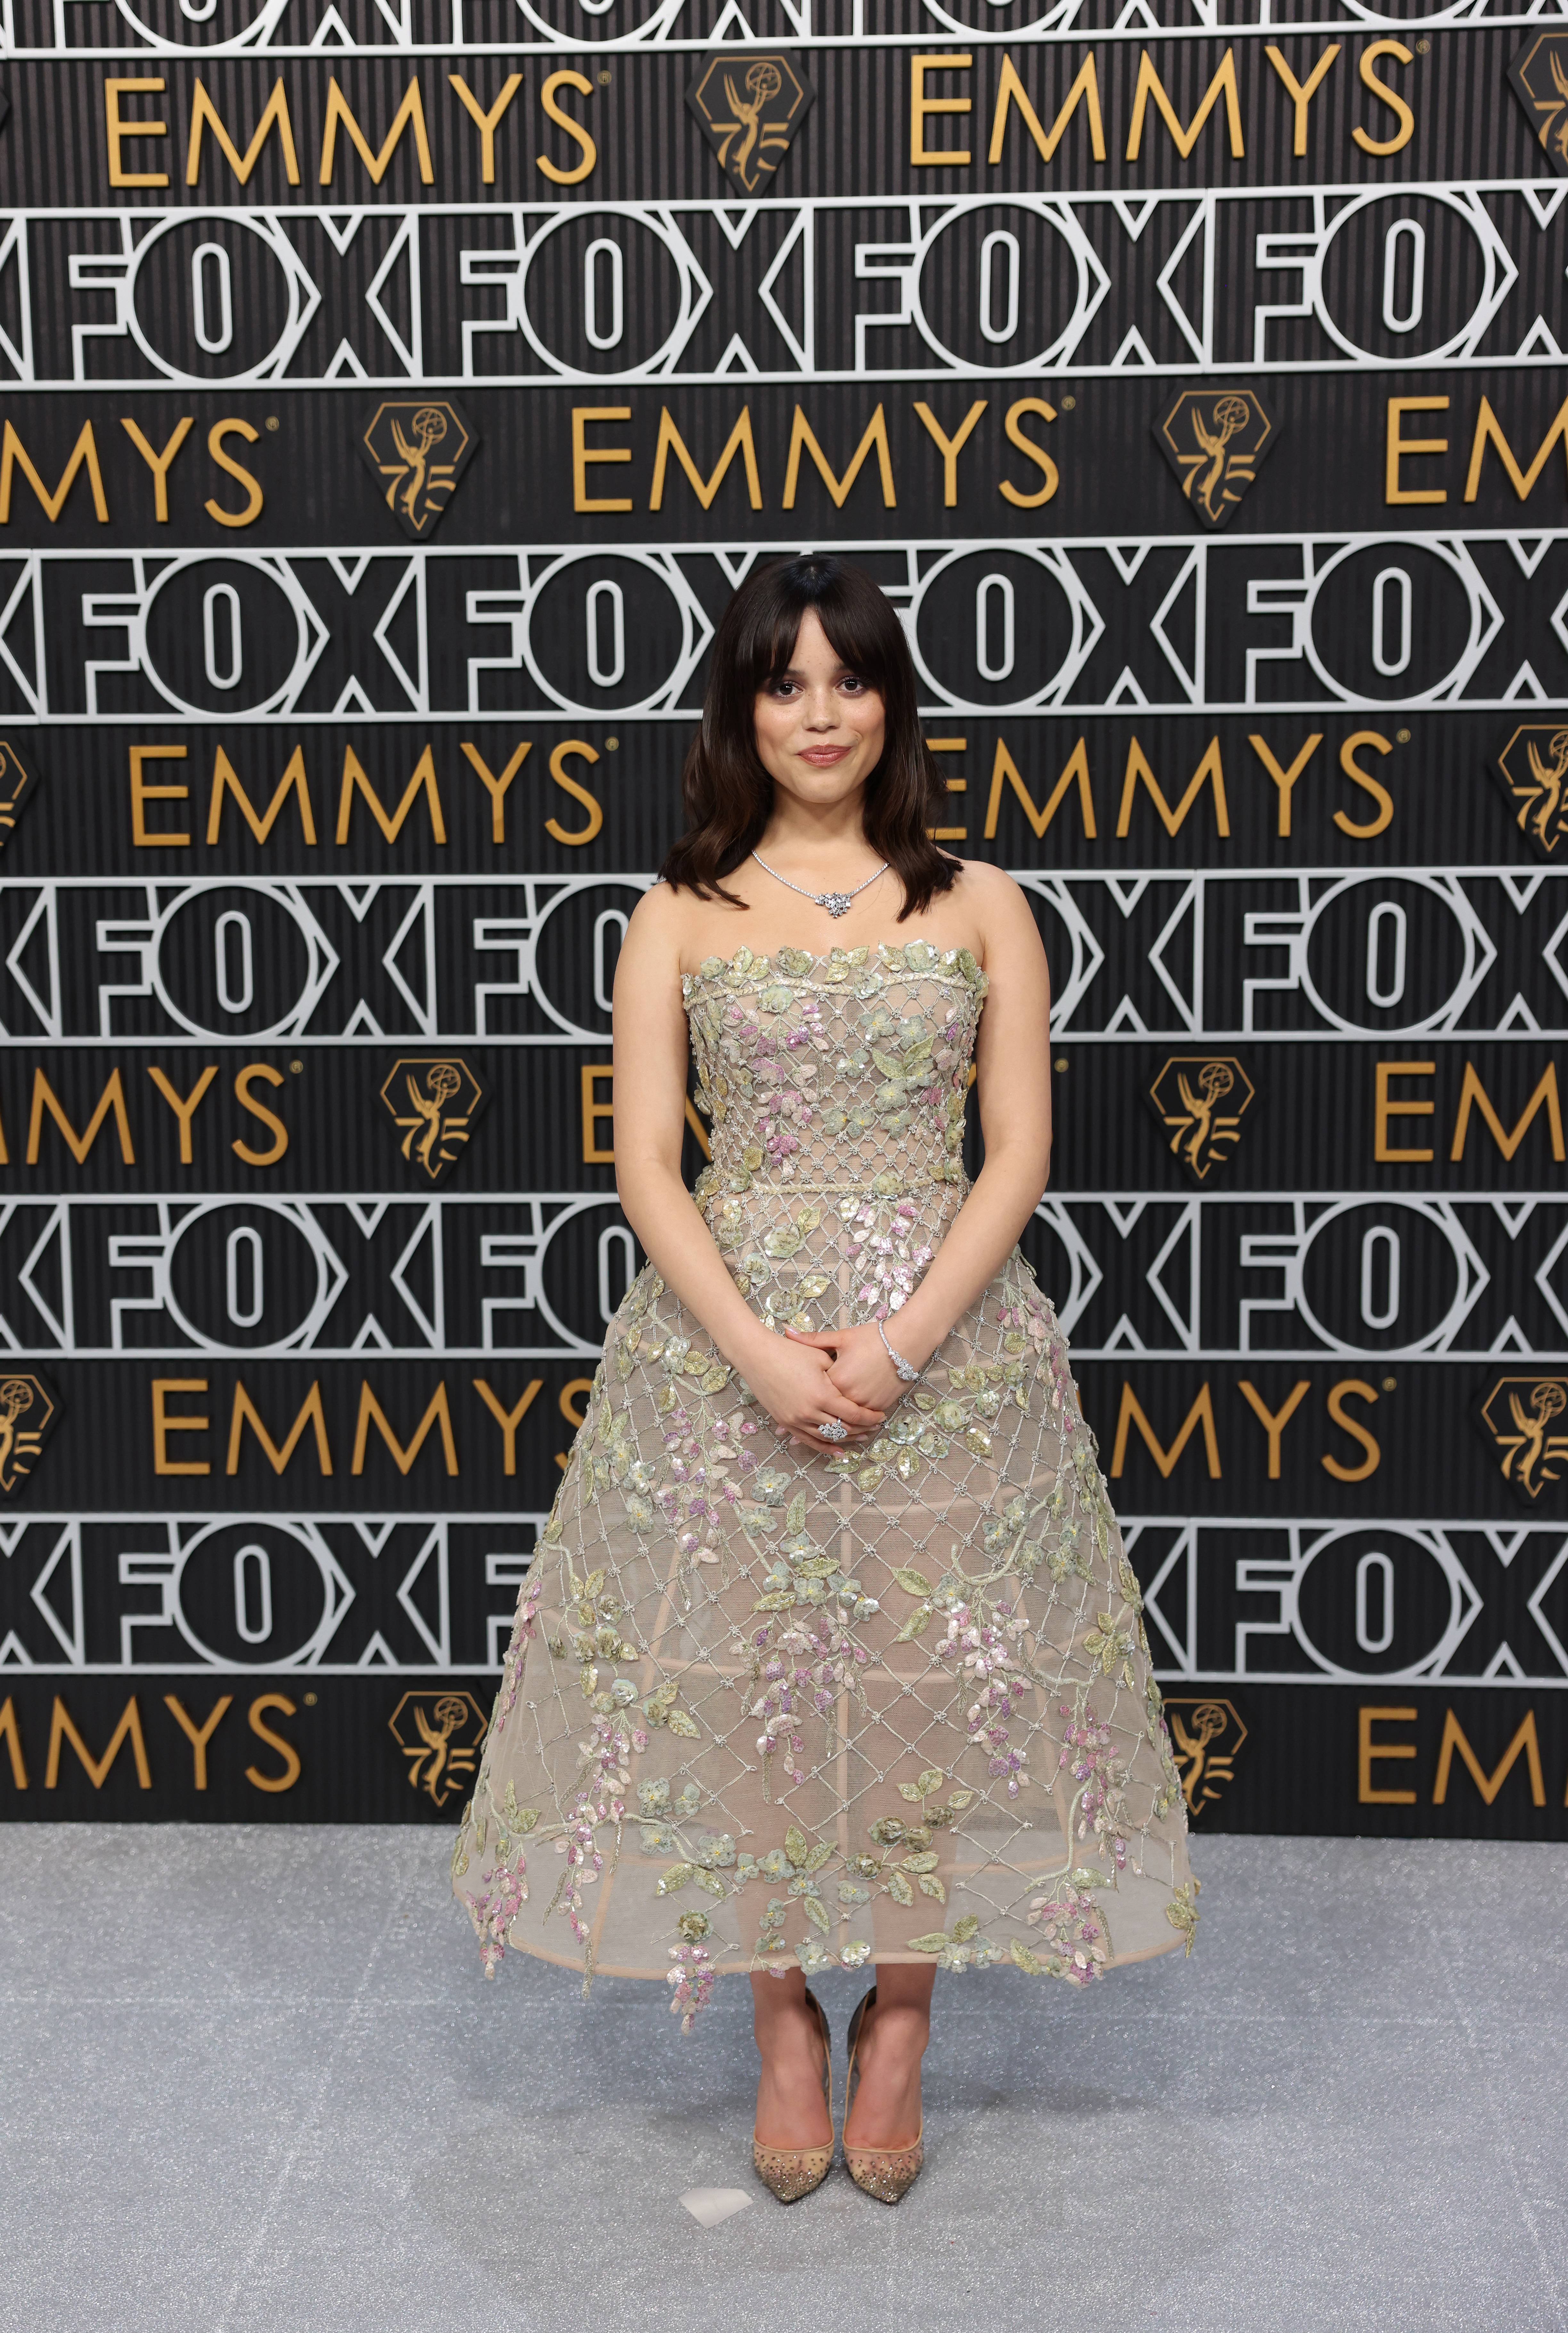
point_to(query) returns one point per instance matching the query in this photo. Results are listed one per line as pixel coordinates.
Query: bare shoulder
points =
(655, 936)
(657, 917)
(1000, 906)
(982, 881)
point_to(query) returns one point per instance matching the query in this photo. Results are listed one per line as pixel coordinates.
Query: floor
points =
(253, 2079)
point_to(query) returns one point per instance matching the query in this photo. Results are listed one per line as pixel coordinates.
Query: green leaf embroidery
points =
(818, 1855)
(817, 1913)
(915, 1581)
(796, 1846)
(959, 1799)
(936, 1944)
(685, 1725)
(932, 1779)
(918, 1622)
(676, 1878)
(930, 1886)
(963, 1930)
(779, 1600)
(899, 1888)
(1030, 1963)
(911, 1790)
(920, 1862)
(795, 1516)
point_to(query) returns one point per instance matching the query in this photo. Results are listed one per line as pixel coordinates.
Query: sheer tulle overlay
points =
(763, 1708)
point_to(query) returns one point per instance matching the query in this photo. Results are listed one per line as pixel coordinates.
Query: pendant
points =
(837, 902)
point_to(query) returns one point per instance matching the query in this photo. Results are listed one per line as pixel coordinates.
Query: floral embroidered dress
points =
(763, 1708)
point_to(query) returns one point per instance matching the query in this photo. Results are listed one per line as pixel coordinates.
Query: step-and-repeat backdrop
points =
(391, 393)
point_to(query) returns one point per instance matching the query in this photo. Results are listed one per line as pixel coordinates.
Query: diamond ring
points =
(833, 1429)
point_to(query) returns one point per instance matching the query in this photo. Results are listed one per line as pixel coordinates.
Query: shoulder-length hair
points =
(727, 793)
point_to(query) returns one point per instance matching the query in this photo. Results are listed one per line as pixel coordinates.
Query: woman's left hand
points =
(861, 1368)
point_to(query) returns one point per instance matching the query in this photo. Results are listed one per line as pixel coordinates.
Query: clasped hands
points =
(836, 1373)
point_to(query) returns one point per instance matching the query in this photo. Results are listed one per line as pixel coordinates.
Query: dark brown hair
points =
(727, 793)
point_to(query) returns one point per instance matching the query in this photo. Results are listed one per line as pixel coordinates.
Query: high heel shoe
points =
(792, 2172)
(888, 2172)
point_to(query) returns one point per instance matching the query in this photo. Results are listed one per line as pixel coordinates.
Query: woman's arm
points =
(650, 1123)
(1012, 1057)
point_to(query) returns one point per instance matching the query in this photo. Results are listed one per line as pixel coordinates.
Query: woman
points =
(830, 1653)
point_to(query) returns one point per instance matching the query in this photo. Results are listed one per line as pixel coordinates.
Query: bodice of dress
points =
(836, 1087)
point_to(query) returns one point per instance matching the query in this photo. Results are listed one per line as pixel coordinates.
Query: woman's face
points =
(819, 728)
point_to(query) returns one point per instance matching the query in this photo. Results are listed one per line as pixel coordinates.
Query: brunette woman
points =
(829, 1656)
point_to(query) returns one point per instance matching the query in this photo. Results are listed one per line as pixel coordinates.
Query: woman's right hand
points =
(793, 1384)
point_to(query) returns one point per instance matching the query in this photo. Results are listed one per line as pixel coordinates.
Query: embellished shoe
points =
(888, 2172)
(792, 2172)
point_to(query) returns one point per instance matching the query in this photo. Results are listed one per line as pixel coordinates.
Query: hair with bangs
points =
(727, 793)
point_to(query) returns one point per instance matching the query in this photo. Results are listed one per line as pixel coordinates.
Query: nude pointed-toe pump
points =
(888, 2172)
(792, 2172)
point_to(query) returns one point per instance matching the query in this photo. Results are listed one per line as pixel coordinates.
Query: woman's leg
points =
(893, 2037)
(791, 2110)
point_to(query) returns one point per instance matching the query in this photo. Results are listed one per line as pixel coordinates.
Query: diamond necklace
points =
(837, 902)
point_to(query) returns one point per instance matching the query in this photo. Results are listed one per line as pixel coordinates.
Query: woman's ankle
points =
(784, 2025)
(906, 2025)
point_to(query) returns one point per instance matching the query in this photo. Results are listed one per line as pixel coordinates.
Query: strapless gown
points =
(763, 1708)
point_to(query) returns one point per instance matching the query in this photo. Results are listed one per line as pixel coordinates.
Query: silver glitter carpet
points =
(253, 2079)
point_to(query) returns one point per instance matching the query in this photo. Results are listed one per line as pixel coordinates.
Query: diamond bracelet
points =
(907, 1375)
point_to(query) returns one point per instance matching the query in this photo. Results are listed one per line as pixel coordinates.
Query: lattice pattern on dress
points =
(764, 1708)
